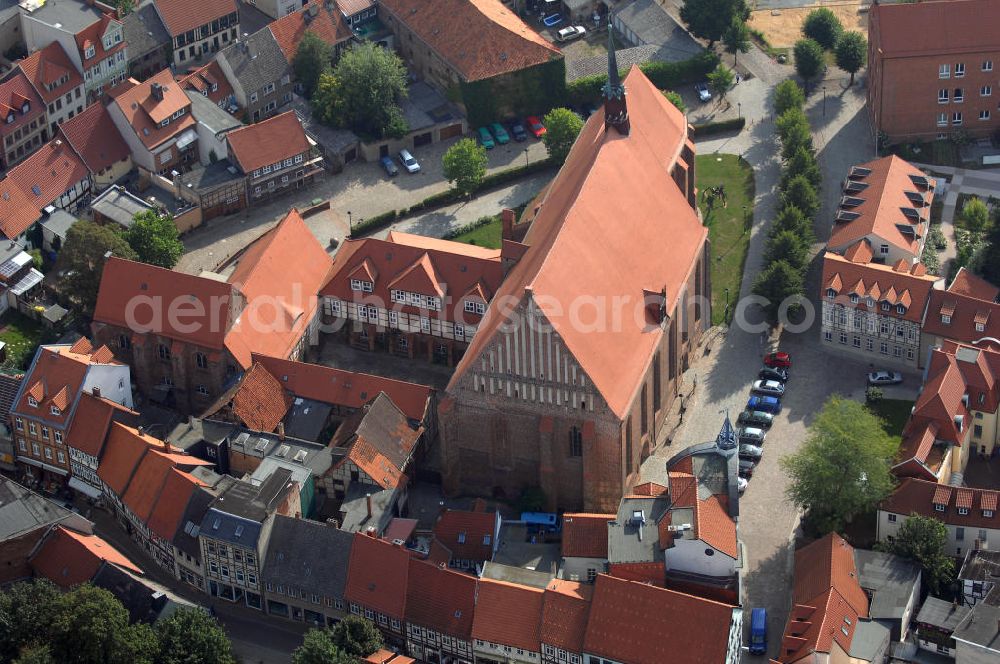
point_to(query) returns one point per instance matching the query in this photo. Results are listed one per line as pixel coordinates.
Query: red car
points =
(535, 126)
(780, 359)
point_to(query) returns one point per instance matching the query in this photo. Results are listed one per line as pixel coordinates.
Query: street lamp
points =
(739, 108)
(350, 223)
(525, 157)
(824, 101)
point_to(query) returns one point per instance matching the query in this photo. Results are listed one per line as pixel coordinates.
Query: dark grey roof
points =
(256, 60)
(870, 638)
(624, 542)
(196, 431)
(354, 508)
(307, 419)
(981, 565)
(208, 113)
(8, 390)
(8, 9)
(332, 141)
(942, 614)
(186, 537)
(144, 603)
(308, 555)
(209, 177)
(982, 626)
(598, 64)
(248, 502)
(119, 204)
(231, 528)
(890, 579)
(647, 23)
(384, 426)
(59, 222)
(425, 107)
(23, 510)
(144, 31)
(73, 16)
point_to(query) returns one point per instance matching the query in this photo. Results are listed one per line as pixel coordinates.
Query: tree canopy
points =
(154, 239)
(923, 539)
(842, 468)
(777, 282)
(83, 259)
(721, 80)
(788, 246)
(562, 127)
(318, 647)
(975, 215)
(791, 219)
(363, 92)
(676, 99)
(801, 194)
(312, 58)
(736, 38)
(990, 268)
(809, 59)
(801, 163)
(191, 635)
(709, 19)
(851, 53)
(788, 94)
(89, 625)
(823, 26)
(356, 636)
(465, 165)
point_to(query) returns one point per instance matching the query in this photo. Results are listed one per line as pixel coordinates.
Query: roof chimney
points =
(281, 430)
(157, 91)
(615, 109)
(97, 390)
(140, 430)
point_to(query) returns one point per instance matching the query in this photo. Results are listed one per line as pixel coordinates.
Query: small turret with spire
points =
(726, 440)
(615, 108)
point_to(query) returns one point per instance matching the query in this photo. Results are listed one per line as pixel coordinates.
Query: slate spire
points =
(615, 108)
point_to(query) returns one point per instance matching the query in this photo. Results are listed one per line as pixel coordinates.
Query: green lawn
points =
(894, 412)
(728, 227)
(942, 153)
(22, 336)
(484, 236)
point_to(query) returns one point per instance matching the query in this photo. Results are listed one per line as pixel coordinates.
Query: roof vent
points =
(300, 456)
(239, 531)
(399, 542)
(36, 190)
(217, 523)
(282, 451)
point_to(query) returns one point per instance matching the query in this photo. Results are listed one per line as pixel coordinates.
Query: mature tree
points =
(791, 219)
(923, 539)
(357, 636)
(823, 26)
(676, 99)
(36, 654)
(83, 258)
(975, 215)
(788, 246)
(90, 625)
(736, 38)
(809, 59)
(777, 282)
(191, 635)
(802, 195)
(364, 91)
(789, 122)
(124, 7)
(990, 267)
(154, 239)
(312, 58)
(788, 94)
(842, 468)
(803, 162)
(562, 126)
(709, 19)
(23, 608)
(851, 53)
(465, 165)
(721, 80)
(318, 647)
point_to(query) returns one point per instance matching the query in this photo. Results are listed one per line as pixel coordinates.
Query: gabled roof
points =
(440, 599)
(255, 61)
(180, 16)
(17, 211)
(261, 401)
(14, 92)
(585, 535)
(619, 189)
(166, 515)
(210, 81)
(9, 387)
(50, 171)
(271, 141)
(969, 302)
(972, 285)
(379, 441)
(292, 558)
(910, 288)
(508, 614)
(144, 112)
(94, 136)
(377, 576)
(92, 421)
(321, 18)
(123, 451)
(959, 26)
(918, 496)
(565, 609)
(68, 558)
(469, 535)
(478, 38)
(619, 608)
(144, 31)
(46, 67)
(93, 36)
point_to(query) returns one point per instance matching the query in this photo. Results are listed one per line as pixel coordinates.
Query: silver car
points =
(885, 378)
(769, 387)
(752, 452)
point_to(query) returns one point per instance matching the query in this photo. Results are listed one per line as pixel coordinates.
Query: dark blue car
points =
(767, 404)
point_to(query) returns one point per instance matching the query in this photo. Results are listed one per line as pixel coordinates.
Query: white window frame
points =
(959, 69)
(944, 71)
(943, 96)
(986, 91)
(942, 120)
(984, 114)
(956, 118)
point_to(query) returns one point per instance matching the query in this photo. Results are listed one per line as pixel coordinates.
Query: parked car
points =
(767, 404)
(409, 163)
(486, 138)
(571, 32)
(748, 451)
(746, 468)
(535, 126)
(757, 418)
(885, 378)
(779, 359)
(518, 132)
(552, 20)
(773, 373)
(772, 387)
(741, 484)
(758, 631)
(704, 93)
(752, 436)
(503, 138)
(389, 165)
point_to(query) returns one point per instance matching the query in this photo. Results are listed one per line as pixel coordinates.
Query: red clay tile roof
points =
(478, 38)
(146, 484)
(377, 576)
(712, 522)
(261, 401)
(93, 35)
(45, 67)
(379, 441)
(880, 210)
(144, 113)
(508, 614)
(166, 516)
(328, 24)
(383, 656)
(52, 170)
(881, 282)
(972, 285)
(91, 423)
(54, 379)
(346, 388)
(960, 26)
(350, 7)
(279, 275)
(17, 211)
(123, 451)
(859, 252)
(563, 260)
(968, 302)
(619, 607)
(827, 599)
(565, 609)
(468, 535)
(180, 16)
(124, 281)
(14, 92)
(918, 496)
(69, 558)
(94, 136)
(202, 80)
(268, 142)
(585, 535)
(440, 599)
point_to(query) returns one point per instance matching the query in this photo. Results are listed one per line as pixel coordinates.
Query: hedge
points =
(664, 75)
(478, 223)
(709, 128)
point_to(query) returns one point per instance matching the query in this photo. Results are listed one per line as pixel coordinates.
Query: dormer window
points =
(886, 306)
(946, 319)
(980, 327)
(215, 87)
(25, 107)
(473, 307)
(32, 401)
(988, 513)
(900, 309)
(963, 510)
(118, 38)
(399, 296)
(89, 53)
(870, 301)
(11, 118)
(165, 122)
(55, 410)
(938, 507)
(359, 285)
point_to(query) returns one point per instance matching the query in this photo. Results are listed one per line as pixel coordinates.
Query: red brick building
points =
(932, 69)
(275, 156)
(568, 378)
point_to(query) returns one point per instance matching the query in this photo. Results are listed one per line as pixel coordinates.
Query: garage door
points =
(452, 131)
(422, 139)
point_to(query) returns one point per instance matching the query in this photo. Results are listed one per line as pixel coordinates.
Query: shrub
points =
(709, 128)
